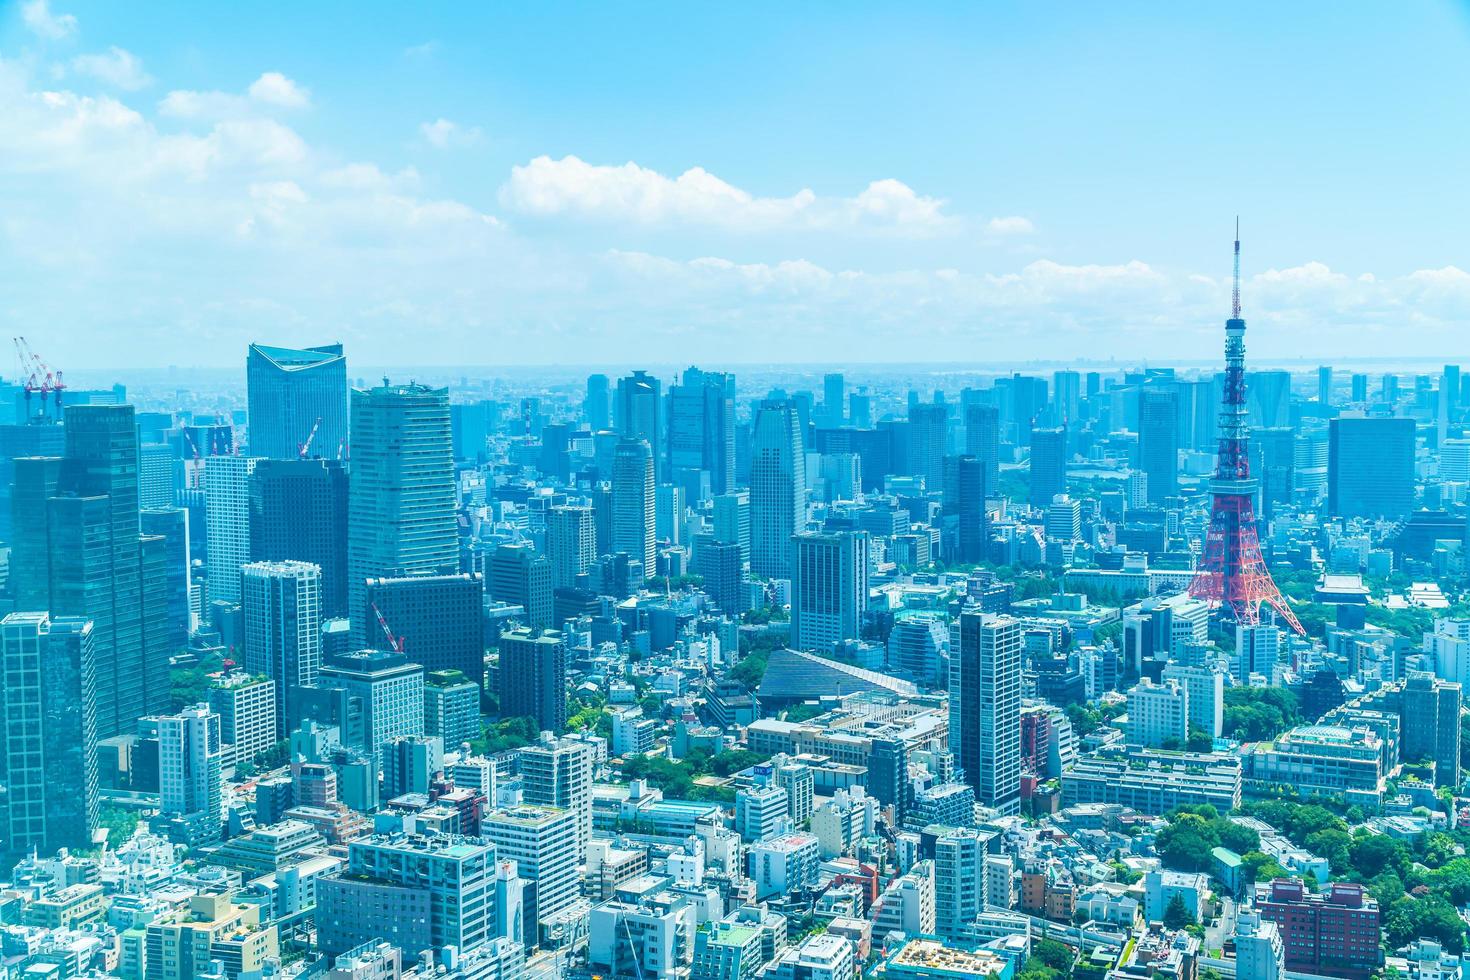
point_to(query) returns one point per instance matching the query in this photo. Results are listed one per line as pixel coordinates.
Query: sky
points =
(547, 183)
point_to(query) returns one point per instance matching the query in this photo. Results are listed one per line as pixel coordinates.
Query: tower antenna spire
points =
(1235, 288)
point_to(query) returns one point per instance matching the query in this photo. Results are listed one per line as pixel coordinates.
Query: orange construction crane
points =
(395, 642)
(37, 378)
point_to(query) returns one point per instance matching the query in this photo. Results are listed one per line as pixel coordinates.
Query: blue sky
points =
(531, 183)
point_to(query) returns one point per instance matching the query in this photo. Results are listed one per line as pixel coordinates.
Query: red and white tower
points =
(1232, 575)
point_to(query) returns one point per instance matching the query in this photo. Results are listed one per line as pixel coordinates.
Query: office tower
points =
(1268, 395)
(928, 438)
(834, 394)
(668, 513)
(17, 441)
(1232, 572)
(918, 645)
(227, 521)
(1158, 442)
(702, 429)
(1359, 392)
(1067, 396)
(418, 892)
(731, 521)
(171, 524)
(777, 487)
(1389, 388)
(718, 564)
(533, 677)
(633, 498)
(982, 440)
(888, 775)
(1324, 386)
(401, 508)
(294, 395)
(451, 708)
(597, 404)
(386, 692)
(558, 772)
(571, 543)
(33, 483)
(190, 763)
(282, 607)
(985, 707)
(156, 475)
(520, 577)
(1430, 713)
(298, 512)
(762, 812)
(959, 880)
(1048, 465)
(1206, 688)
(1064, 520)
(542, 841)
(1257, 651)
(1449, 392)
(964, 505)
(100, 568)
(1370, 467)
(438, 620)
(1275, 452)
(470, 425)
(555, 461)
(410, 763)
(860, 405)
(1158, 714)
(248, 715)
(638, 412)
(48, 757)
(829, 588)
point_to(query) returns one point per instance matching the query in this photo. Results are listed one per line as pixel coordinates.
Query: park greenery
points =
(679, 779)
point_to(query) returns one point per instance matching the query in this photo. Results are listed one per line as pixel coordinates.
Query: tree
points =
(1432, 917)
(1199, 740)
(1185, 844)
(1334, 845)
(1177, 914)
(1058, 956)
(1261, 867)
(1377, 853)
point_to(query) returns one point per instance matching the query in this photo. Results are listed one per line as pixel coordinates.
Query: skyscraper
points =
(829, 589)
(982, 440)
(928, 438)
(985, 707)
(533, 677)
(288, 391)
(171, 524)
(731, 522)
(190, 764)
(520, 577)
(1370, 467)
(401, 506)
(1067, 396)
(439, 619)
(633, 497)
(1158, 442)
(387, 693)
(597, 404)
(298, 512)
(777, 487)
(48, 757)
(638, 412)
(282, 606)
(1324, 386)
(571, 543)
(227, 521)
(1048, 465)
(558, 772)
(702, 429)
(964, 507)
(834, 388)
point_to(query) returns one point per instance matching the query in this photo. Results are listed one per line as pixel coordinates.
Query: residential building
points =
(777, 487)
(829, 588)
(985, 707)
(533, 677)
(281, 606)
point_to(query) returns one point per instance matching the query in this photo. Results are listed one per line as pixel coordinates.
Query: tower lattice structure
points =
(1232, 575)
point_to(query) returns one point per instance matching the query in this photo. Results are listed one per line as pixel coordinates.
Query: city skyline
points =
(1011, 185)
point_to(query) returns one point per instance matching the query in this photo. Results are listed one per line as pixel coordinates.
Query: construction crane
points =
(306, 446)
(198, 463)
(38, 378)
(395, 642)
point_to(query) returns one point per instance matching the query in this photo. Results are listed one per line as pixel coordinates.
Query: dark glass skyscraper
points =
(702, 429)
(288, 391)
(298, 512)
(440, 619)
(964, 506)
(1370, 467)
(1048, 465)
(533, 677)
(1158, 442)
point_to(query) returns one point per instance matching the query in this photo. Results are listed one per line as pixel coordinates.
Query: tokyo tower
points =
(1232, 575)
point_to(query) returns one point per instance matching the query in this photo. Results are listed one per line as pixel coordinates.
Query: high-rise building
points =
(571, 543)
(964, 507)
(985, 707)
(1048, 465)
(1430, 712)
(520, 577)
(731, 522)
(558, 772)
(533, 677)
(282, 606)
(597, 404)
(638, 412)
(982, 440)
(718, 565)
(33, 485)
(439, 620)
(156, 466)
(834, 388)
(298, 512)
(470, 425)
(171, 524)
(777, 487)
(633, 501)
(48, 757)
(247, 709)
(385, 691)
(227, 521)
(1360, 389)
(928, 440)
(702, 429)
(1259, 952)
(1324, 386)
(1158, 714)
(829, 588)
(542, 840)
(1158, 442)
(401, 506)
(294, 395)
(451, 708)
(959, 880)
(1067, 396)
(1370, 467)
(668, 513)
(190, 771)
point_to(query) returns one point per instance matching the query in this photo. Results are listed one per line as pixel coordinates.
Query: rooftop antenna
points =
(1235, 289)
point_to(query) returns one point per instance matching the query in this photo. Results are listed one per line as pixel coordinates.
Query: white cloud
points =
(426, 50)
(276, 89)
(443, 134)
(43, 23)
(570, 186)
(1010, 225)
(119, 68)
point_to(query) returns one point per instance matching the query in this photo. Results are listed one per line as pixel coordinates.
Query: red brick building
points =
(1335, 933)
